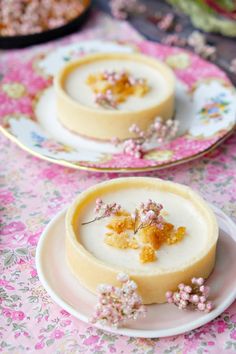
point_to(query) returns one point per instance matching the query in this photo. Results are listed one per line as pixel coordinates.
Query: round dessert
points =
(158, 251)
(101, 96)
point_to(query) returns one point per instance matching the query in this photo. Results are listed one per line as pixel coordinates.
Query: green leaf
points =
(9, 321)
(5, 251)
(4, 344)
(33, 299)
(15, 297)
(15, 326)
(108, 338)
(228, 345)
(9, 260)
(50, 328)
(22, 251)
(50, 342)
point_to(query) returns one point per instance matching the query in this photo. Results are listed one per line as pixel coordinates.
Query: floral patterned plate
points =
(205, 109)
(161, 320)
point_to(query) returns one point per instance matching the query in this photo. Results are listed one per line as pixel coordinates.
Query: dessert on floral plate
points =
(173, 246)
(154, 255)
(205, 109)
(100, 96)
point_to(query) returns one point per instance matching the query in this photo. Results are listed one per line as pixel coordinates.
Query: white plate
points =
(161, 320)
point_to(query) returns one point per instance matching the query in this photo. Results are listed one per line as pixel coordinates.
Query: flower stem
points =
(95, 219)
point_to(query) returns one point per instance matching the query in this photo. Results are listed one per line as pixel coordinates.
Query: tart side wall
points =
(107, 124)
(152, 287)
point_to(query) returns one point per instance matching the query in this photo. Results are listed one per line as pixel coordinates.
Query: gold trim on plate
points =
(116, 169)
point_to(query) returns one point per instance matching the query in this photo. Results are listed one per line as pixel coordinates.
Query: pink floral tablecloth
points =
(32, 191)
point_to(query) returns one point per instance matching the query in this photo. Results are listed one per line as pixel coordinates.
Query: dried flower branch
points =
(118, 305)
(113, 87)
(191, 296)
(148, 214)
(198, 42)
(121, 9)
(160, 131)
(106, 100)
(103, 210)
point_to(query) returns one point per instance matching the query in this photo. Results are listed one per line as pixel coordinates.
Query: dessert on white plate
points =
(158, 232)
(100, 96)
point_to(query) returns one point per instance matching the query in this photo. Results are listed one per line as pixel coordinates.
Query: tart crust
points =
(153, 285)
(107, 124)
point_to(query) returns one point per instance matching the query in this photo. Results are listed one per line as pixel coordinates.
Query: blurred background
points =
(207, 27)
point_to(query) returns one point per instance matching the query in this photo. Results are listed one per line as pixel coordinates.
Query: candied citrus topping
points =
(121, 223)
(176, 235)
(114, 239)
(147, 254)
(156, 236)
(149, 237)
(120, 85)
(122, 212)
(133, 243)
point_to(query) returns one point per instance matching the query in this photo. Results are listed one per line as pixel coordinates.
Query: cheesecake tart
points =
(181, 245)
(101, 96)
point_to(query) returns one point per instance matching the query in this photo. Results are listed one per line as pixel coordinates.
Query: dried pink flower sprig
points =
(22, 17)
(106, 100)
(113, 77)
(103, 210)
(121, 9)
(198, 42)
(148, 214)
(195, 296)
(117, 305)
(160, 131)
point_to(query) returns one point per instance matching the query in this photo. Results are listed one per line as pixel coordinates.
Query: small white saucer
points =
(161, 320)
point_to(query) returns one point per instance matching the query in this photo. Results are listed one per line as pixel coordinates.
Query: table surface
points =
(34, 191)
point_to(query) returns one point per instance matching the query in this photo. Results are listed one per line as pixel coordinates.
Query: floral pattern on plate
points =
(205, 107)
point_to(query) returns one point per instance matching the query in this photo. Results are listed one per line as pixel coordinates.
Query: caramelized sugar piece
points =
(155, 236)
(121, 223)
(176, 236)
(147, 254)
(118, 240)
(122, 212)
(122, 236)
(133, 243)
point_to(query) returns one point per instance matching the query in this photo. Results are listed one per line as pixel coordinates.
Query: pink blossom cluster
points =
(191, 296)
(103, 210)
(198, 41)
(160, 131)
(116, 305)
(149, 214)
(22, 17)
(121, 9)
(174, 40)
(113, 76)
(106, 210)
(133, 148)
(163, 130)
(166, 22)
(106, 99)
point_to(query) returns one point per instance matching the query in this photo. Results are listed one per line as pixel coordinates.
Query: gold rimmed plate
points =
(205, 109)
